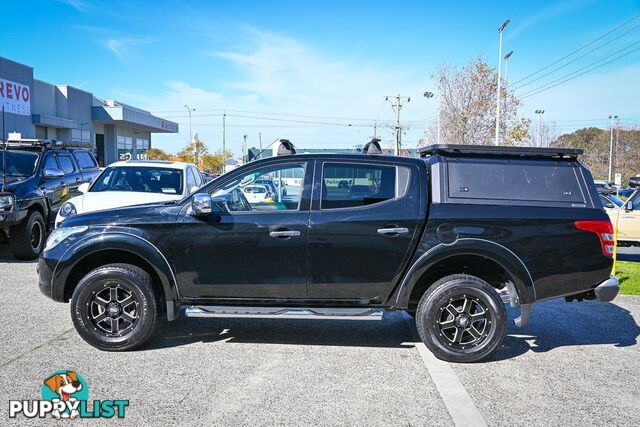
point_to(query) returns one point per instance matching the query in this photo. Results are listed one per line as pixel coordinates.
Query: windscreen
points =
(140, 179)
(20, 163)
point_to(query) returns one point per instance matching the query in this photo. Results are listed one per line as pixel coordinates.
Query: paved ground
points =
(629, 254)
(574, 364)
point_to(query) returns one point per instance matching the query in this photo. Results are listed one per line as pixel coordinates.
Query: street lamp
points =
(190, 132)
(506, 85)
(427, 95)
(500, 30)
(611, 117)
(539, 113)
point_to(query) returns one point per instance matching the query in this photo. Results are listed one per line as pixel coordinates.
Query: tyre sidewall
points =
(96, 281)
(429, 314)
(22, 243)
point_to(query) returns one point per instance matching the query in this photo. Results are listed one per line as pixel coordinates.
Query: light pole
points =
(500, 30)
(611, 117)
(506, 85)
(427, 95)
(539, 113)
(195, 156)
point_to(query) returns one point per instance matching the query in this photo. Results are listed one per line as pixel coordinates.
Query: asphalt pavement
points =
(574, 364)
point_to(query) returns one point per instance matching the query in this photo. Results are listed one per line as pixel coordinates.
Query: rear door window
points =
(85, 160)
(353, 185)
(66, 164)
(518, 182)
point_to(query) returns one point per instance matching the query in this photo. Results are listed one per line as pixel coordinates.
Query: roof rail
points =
(491, 150)
(50, 143)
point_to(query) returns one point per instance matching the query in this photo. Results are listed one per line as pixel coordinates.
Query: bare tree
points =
(468, 102)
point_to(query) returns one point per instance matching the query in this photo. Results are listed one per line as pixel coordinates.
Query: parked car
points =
(610, 202)
(449, 237)
(275, 184)
(257, 194)
(208, 176)
(134, 182)
(40, 177)
(625, 216)
(625, 192)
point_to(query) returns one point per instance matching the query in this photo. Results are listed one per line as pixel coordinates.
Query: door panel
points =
(359, 251)
(253, 251)
(628, 222)
(55, 192)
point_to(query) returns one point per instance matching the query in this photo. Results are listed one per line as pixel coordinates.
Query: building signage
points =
(15, 97)
(169, 125)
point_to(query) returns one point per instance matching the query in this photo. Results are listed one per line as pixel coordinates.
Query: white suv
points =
(134, 182)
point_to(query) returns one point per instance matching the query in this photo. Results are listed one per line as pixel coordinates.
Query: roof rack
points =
(491, 150)
(51, 143)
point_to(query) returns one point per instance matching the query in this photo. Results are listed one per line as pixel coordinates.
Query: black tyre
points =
(27, 238)
(113, 307)
(461, 318)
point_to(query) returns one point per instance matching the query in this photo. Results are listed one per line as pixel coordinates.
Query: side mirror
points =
(83, 188)
(628, 207)
(53, 173)
(610, 205)
(201, 204)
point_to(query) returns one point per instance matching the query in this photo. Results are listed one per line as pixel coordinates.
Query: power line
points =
(577, 50)
(575, 59)
(564, 79)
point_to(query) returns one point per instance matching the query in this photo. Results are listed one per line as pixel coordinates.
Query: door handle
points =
(284, 233)
(393, 231)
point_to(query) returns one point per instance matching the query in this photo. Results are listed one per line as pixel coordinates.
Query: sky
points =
(318, 72)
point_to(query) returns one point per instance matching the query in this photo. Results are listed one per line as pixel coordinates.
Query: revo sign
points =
(15, 97)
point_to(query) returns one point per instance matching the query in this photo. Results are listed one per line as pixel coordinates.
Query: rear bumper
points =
(607, 290)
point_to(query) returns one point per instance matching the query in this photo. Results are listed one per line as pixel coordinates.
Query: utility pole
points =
(539, 113)
(500, 30)
(224, 141)
(260, 139)
(617, 138)
(506, 86)
(399, 103)
(244, 147)
(4, 155)
(611, 117)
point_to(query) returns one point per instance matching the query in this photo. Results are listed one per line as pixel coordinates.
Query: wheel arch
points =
(109, 248)
(482, 258)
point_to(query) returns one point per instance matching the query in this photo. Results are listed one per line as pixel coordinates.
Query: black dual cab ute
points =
(449, 237)
(38, 177)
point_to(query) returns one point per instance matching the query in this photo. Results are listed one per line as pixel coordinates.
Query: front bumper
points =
(607, 290)
(11, 218)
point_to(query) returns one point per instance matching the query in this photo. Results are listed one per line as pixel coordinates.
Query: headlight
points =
(67, 210)
(6, 202)
(60, 234)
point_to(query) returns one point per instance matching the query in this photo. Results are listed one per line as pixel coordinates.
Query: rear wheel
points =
(461, 318)
(114, 308)
(27, 238)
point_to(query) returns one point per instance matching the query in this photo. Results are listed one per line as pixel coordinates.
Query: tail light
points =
(604, 230)
(267, 195)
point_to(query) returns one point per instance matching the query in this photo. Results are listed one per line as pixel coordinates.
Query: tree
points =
(468, 106)
(188, 153)
(157, 154)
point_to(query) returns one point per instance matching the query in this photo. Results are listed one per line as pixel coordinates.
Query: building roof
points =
(115, 112)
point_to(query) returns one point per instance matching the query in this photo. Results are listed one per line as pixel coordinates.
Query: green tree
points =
(157, 154)
(188, 153)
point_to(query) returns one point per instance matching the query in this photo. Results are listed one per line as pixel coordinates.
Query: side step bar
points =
(285, 312)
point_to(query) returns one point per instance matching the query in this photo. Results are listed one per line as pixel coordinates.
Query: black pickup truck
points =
(36, 178)
(449, 237)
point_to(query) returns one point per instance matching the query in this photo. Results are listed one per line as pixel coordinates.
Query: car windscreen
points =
(20, 163)
(140, 179)
(618, 202)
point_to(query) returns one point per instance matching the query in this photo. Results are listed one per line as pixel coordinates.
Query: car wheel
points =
(113, 307)
(461, 318)
(27, 238)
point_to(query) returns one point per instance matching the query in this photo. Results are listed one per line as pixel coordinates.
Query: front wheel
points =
(461, 318)
(27, 238)
(113, 307)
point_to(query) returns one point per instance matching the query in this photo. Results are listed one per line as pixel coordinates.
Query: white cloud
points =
(279, 75)
(123, 47)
